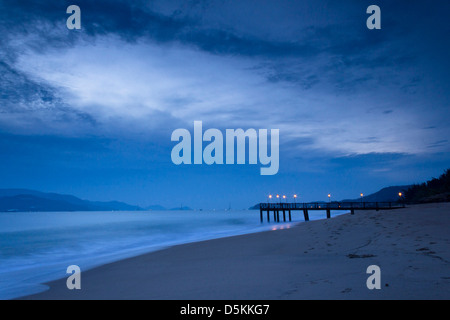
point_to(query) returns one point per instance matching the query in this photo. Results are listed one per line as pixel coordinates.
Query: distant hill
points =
(31, 200)
(389, 194)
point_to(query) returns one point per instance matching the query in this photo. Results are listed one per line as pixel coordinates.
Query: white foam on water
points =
(37, 247)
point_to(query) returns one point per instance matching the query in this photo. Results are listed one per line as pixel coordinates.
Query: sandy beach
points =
(324, 259)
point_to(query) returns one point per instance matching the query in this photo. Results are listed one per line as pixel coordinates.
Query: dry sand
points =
(324, 259)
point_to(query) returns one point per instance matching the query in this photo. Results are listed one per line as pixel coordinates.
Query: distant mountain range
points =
(14, 200)
(389, 194)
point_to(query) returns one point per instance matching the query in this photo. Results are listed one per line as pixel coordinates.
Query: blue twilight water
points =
(36, 247)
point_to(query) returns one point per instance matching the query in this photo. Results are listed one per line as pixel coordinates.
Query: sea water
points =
(37, 247)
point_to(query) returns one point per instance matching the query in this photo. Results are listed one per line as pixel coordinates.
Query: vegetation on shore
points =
(434, 190)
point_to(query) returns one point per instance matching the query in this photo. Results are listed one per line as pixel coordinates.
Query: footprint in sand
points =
(346, 290)
(362, 256)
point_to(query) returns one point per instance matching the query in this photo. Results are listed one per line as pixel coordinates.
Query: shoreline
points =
(322, 259)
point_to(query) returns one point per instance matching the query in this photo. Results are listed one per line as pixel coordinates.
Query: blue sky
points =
(90, 112)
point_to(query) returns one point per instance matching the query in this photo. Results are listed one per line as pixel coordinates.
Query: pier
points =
(287, 208)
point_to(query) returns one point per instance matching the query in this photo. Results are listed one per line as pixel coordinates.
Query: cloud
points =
(27, 104)
(140, 67)
(125, 88)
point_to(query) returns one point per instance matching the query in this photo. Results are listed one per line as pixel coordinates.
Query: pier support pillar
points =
(284, 215)
(305, 214)
(290, 218)
(352, 211)
(328, 213)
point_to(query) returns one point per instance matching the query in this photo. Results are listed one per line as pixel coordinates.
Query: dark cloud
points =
(438, 144)
(21, 95)
(17, 90)
(351, 56)
(133, 20)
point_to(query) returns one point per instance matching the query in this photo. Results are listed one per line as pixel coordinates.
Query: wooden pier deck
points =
(287, 208)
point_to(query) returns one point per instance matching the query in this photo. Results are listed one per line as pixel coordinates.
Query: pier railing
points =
(332, 205)
(276, 208)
